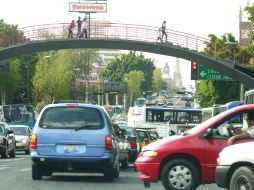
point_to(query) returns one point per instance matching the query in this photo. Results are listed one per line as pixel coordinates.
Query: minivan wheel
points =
(109, 174)
(27, 151)
(117, 170)
(180, 174)
(36, 172)
(125, 163)
(242, 179)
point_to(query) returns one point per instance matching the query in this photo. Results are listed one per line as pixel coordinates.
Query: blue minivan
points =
(74, 137)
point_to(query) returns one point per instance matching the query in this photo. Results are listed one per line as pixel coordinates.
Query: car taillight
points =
(108, 142)
(133, 143)
(33, 142)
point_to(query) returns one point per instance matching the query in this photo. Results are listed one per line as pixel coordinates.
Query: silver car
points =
(22, 137)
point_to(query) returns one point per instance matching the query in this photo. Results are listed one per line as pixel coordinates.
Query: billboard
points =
(88, 7)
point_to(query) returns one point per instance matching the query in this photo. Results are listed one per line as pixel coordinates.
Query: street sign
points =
(88, 7)
(205, 73)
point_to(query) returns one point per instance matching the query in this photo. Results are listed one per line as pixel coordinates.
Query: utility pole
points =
(27, 83)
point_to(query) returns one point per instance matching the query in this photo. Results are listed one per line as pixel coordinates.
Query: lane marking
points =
(25, 170)
(4, 167)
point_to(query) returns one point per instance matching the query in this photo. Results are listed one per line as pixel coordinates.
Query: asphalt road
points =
(15, 174)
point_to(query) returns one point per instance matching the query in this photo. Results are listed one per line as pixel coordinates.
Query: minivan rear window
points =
(72, 117)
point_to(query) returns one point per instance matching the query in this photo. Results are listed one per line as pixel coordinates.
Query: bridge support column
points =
(117, 99)
(107, 99)
(241, 92)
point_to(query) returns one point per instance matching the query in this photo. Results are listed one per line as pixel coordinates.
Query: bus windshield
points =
(18, 114)
(174, 115)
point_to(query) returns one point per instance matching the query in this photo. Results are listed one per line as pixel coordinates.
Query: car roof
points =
(75, 104)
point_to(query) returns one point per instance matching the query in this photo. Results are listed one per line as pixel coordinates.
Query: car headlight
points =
(150, 153)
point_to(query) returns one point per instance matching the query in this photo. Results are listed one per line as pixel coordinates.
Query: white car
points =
(235, 170)
(22, 137)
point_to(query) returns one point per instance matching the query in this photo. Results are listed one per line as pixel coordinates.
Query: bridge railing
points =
(117, 31)
(102, 31)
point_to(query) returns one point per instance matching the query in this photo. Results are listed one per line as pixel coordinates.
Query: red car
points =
(183, 162)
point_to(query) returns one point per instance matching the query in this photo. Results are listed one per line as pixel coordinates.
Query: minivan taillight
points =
(133, 143)
(33, 142)
(108, 142)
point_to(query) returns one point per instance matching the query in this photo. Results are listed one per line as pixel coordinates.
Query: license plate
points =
(70, 148)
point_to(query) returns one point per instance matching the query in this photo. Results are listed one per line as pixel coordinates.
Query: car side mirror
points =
(208, 133)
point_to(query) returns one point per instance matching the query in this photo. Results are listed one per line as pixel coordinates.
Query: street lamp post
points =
(27, 82)
(232, 44)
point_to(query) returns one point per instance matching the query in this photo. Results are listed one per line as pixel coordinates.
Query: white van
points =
(235, 170)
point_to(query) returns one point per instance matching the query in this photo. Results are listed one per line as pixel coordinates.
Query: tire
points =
(36, 172)
(109, 174)
(12, 154)
(242, 178)
(117, 171)
(27, 152)
(125, 163)
(180, 174)
(5, 152)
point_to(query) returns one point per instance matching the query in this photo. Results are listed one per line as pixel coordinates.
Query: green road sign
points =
(205, 73)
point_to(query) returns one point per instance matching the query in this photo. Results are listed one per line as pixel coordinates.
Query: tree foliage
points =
(56, 74)
(11, 33)
(122, 65)
(134, 80)
(157, 80)
(9, 81)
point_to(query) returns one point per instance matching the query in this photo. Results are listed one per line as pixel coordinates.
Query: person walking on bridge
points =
(70, 29)
(79, 23)
(84, 29)
(163, 30)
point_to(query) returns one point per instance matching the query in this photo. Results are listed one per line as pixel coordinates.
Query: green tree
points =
(213, 92)
(134, 80)
(58, 72)
(24, 87)
(157, 80)
(53, 76)
(122, 65)
(11, 33)
(9, 81)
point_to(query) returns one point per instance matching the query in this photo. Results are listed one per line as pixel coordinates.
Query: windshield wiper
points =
(88, 126)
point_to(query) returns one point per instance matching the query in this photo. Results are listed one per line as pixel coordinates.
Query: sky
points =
(197, 17)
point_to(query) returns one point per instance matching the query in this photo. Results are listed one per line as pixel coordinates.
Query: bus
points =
(140, 102)
(18, 114)
(165, 119)
(249, 97)
(217, 108)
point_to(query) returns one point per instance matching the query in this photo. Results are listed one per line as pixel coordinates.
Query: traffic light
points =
(194, 70)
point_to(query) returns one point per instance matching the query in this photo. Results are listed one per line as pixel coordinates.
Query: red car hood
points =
(162, 142)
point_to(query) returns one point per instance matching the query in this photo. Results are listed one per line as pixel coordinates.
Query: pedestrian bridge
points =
(120, 36)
